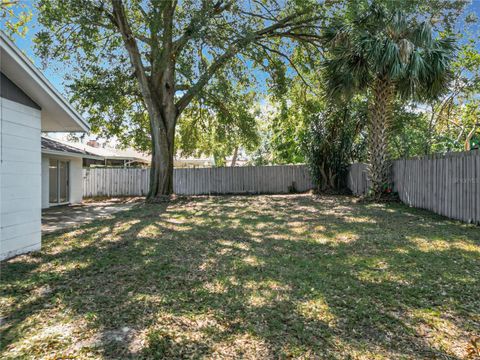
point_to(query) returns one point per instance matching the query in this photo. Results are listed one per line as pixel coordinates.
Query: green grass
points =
(248, 277)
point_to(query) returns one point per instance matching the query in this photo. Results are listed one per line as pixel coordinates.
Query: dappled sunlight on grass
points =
(148, 231)
(215, 287)
(316, 309)
(254, 277)
(61, 268)
(424, 244)
(359, 219)
(253, 261)
(436, 328)
(345, 237)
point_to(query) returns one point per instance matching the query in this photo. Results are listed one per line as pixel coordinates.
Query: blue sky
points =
(56, 73)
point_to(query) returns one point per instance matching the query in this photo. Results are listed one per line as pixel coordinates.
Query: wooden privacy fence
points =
(357, 180)
(200, 181)
(448, 184)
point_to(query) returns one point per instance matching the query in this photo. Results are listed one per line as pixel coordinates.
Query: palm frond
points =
(375, 43)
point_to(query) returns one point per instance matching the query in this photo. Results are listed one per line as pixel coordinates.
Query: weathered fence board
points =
(357, 180)
(447, 184)
(199, 181)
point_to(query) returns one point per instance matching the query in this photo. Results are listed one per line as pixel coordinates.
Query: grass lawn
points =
(248, 277)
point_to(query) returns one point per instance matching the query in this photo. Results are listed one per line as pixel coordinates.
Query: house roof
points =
(57, 113)
(54, 147)
(116, 154)
(105, 152)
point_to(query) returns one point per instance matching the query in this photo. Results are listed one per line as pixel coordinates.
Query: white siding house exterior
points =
(55, 152)
(20, 178)
(28, 105)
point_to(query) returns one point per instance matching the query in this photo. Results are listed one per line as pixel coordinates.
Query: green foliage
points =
(333, 142)
(14, 17)
(288, 129)
(84, 36)
(369, 41)
(455, 116)
(113, 110)
(384, 53)
(223, 115)
(223, 120)
(409, 132)
(294, 109)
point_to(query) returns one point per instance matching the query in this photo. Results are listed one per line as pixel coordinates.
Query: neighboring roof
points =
(205, 162)
(108, 153)
(54, 147)
(117, 154)
(57, 113)
(182, 163)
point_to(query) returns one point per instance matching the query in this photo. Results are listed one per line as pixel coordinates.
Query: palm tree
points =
(383, 54)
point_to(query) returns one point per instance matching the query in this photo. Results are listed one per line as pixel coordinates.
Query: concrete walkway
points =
(65, 217)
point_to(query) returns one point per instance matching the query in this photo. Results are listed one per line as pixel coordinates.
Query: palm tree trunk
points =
(379, 126)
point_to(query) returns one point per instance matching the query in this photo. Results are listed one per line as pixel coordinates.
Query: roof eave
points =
(14, 52)
(70, 154)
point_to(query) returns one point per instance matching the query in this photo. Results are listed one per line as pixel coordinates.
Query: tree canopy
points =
(193, 77)
(138, 60)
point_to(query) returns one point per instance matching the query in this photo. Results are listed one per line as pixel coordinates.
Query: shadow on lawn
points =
(264, 276)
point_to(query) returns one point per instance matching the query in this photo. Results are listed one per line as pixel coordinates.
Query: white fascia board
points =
(57, 112)
(69, 154)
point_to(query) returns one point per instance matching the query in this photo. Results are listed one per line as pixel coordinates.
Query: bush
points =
(334, 140)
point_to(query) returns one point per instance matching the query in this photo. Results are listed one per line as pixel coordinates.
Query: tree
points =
(333, 142)
(221, 122)
(454, 116)
(15, 17)
(153, 58)
(296, 101)
(384, 53)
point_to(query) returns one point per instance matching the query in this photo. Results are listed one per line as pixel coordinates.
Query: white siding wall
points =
(76, 181)
(20, 179)
(45, 181)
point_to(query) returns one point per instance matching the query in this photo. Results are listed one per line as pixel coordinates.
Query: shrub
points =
(334, 140)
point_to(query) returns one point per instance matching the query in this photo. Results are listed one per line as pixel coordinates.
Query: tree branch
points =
(198, 20)
(120, 20)
(292, 64)
(234, 48)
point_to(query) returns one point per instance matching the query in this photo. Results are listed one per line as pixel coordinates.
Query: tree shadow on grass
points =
(253, 276)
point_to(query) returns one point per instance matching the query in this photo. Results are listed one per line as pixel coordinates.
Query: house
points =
(191, 162)
(97, 155)
(29, 105)
(113, 157)
(62, 172)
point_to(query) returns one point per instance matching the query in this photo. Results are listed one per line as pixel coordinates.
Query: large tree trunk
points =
(158, 95)
(162, 123)
(379, 126)
(161, 173)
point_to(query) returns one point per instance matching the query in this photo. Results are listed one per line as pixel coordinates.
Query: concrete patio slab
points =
(65, 217)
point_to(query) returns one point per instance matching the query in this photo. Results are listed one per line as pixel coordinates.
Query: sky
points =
(55, 72)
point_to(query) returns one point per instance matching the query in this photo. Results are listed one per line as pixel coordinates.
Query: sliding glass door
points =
(58, 179)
